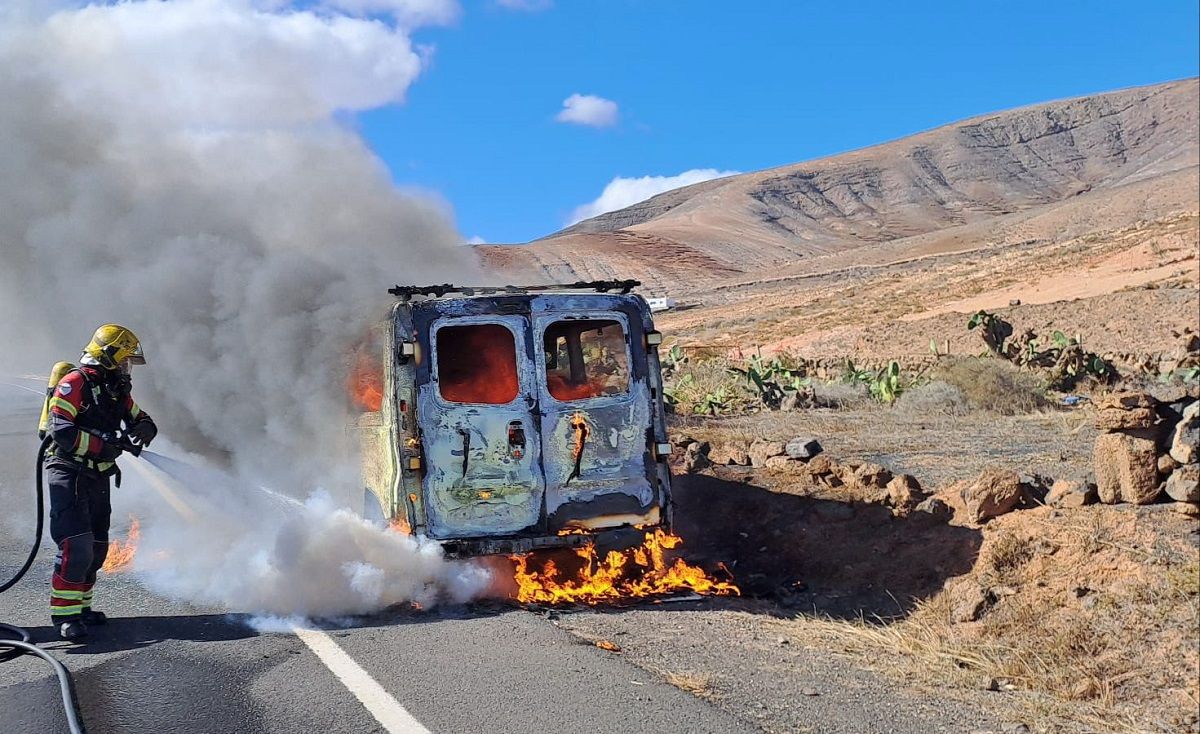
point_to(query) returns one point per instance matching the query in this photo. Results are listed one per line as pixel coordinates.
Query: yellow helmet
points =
(112, 344)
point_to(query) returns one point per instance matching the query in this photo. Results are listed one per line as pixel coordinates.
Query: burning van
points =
(505, 420)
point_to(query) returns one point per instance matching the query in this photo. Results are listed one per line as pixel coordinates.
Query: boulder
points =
(1184, 484)
(871, 475)
(996, 492)
(968, 600)
(820, 466)
(729, 453)
(1035, 487)
(1186, 508)
(682, 441)
(832, 481)
(1126, 400)
(1189, 340)
(1167, 464)
(1115, 419)
(695, 457)
(1126, 467)
(1071, 493)
(802, 447)
(778, 462)
(1171, 407)
(761, 450)
(845, 473)
(903, 493)
(1187, 435)
(935, 506)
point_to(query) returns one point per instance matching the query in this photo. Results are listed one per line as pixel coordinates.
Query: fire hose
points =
(22, 644)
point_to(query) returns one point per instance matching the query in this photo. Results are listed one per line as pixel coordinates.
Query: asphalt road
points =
(164, 667)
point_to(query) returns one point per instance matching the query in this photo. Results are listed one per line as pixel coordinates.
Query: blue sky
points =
(733, 87)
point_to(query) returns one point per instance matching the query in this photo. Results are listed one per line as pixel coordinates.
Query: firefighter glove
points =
(111, 449)
(143, 431)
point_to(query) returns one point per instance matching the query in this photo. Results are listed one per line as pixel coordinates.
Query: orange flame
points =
(640, 572)
(563, 389)
(477, 363)
(365, 384)
(400, 525)
(120, 554)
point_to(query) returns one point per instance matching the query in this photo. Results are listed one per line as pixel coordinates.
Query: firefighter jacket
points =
(88, 406)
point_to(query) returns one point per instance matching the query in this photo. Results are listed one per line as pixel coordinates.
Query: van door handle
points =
(466, 449)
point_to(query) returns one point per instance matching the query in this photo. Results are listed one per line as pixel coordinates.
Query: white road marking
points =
(23, 387)
(382, 705)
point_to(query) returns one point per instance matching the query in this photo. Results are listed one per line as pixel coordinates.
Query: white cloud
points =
(526, 5)
(232, 63)
(410, 13)
(588, 109)
(476, 240)
(622, 192)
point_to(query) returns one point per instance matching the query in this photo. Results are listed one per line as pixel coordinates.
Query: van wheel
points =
(372, 510)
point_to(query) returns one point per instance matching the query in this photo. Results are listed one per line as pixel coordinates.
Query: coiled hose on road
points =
(22, 645)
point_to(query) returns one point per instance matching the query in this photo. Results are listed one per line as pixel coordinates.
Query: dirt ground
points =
(1092, 623)
(746, 658)
(1125, 290)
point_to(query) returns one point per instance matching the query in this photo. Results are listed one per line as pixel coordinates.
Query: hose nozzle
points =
(128, 446)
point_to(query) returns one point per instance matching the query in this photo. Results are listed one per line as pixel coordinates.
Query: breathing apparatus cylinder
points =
(60, 370)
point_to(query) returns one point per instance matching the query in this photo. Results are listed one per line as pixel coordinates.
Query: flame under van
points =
(516, 418)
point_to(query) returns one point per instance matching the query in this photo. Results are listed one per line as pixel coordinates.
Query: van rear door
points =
(478, 433)
(595, 415)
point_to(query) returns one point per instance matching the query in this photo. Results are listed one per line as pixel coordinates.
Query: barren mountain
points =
(1046, 174)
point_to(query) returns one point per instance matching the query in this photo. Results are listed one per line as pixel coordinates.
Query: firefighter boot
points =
(72, 630)
(92, 618)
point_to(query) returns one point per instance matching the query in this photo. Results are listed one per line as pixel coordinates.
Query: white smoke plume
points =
(181, 167)
(280, 556)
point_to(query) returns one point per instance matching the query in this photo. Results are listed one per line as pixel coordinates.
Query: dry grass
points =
(841, 395)
(921, 651)
(697, 684)
(1101, 634)
(933, 398)
(1005, 557)
(993, 385)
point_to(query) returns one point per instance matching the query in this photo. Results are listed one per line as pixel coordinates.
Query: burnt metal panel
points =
(408, 504)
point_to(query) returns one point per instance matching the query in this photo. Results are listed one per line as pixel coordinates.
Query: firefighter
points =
(91, 413)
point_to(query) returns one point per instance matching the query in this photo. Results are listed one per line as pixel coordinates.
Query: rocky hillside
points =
(1012, 177)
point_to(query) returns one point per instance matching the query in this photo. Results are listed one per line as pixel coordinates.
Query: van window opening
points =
(585, 359)
(477, 363)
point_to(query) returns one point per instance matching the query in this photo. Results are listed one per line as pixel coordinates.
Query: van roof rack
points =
(406, 292)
